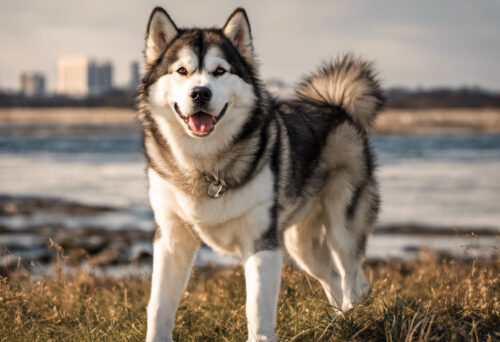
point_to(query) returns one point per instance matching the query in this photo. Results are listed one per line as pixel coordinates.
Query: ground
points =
(427, 299)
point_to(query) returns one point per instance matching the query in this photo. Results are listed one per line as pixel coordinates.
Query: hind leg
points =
(346, 236)
(344, 249)
(306, 243)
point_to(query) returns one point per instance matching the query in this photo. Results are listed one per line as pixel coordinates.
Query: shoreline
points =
(389, 121)
(43, 243)
(16, 206)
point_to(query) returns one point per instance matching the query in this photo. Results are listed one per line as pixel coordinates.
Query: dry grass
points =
(71, 115)
(427, 300)
(435, 121)
(390, 121)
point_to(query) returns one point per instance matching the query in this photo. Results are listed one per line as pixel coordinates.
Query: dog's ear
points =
(161, 31)
(237, 29)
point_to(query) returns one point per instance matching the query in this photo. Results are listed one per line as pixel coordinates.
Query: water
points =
(449, 180)
(431, 180)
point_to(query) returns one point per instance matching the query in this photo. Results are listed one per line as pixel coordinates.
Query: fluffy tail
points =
(348, 83)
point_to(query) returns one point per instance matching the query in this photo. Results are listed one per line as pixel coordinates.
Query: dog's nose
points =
(201, 95)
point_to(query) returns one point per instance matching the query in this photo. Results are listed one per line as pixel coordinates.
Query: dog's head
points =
(200, 81)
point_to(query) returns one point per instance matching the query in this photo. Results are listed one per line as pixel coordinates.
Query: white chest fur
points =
(228, 224)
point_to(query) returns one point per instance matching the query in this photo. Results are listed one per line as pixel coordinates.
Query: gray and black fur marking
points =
(299, 128)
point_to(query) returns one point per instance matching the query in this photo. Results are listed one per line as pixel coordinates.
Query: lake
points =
(426, 180)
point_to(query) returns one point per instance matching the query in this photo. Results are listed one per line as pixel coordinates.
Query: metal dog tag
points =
(216, 189)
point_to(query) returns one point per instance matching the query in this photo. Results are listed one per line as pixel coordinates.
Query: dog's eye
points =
(182, 71)
(219, 71)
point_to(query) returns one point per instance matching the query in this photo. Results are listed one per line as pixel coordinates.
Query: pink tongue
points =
(200, 123)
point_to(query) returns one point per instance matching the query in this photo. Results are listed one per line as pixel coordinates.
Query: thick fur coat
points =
(251, 175)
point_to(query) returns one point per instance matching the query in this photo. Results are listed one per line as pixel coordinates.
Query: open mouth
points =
(200, 123)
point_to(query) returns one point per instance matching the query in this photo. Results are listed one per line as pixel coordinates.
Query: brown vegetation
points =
(456, 120)
(425, 300)
(400, 121)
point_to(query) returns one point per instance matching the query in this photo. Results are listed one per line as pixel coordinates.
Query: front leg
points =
(262, 276)
(173, 256)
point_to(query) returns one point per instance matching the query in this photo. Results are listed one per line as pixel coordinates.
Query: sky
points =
(413, 43)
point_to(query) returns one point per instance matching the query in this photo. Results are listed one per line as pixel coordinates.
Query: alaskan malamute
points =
(251, 175)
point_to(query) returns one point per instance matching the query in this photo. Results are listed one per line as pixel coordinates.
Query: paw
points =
(364, 286)
(159, 338)
(263, 339)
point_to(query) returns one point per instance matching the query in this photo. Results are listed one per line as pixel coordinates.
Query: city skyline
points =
(79, 76)
(428, 44)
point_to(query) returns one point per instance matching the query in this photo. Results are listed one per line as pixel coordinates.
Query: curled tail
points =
(348, 83)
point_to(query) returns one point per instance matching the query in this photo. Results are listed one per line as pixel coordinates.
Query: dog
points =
(251, 175)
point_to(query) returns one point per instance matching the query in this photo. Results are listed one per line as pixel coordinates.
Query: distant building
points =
(100, 77)
(82, 76)
(135, 76)
(32, 84)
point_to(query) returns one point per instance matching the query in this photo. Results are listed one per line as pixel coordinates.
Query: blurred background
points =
(71, 163)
